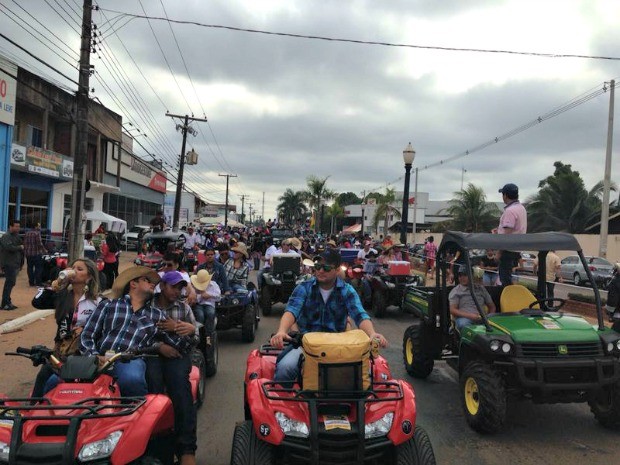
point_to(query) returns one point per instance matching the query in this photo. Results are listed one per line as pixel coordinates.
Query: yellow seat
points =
(515, 298)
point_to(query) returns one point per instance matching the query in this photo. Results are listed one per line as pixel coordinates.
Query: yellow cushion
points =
(515, 298)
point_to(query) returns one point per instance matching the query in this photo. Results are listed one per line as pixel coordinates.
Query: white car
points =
(134, 235)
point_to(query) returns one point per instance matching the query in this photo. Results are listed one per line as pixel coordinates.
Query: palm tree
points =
(316, 193)
(563, 203)
(385, 208)
(335, 211)
(471, 212)
(292, 207)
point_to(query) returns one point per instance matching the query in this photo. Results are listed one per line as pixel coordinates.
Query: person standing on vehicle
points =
(128, 322)
(512, 221)
(171, 374)
(462, 306)
(192, 241)
(430, 252)
(11, 250)
(552, 272)
(158, 224)
(34, 250)
(321, 303)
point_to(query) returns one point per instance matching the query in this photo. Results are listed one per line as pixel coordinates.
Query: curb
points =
(22, 321)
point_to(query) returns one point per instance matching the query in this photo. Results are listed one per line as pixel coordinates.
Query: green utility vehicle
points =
(529, 348)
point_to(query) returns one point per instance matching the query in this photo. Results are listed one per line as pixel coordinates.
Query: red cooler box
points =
(398, 268)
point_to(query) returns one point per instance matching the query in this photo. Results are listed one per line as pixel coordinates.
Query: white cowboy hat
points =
(201, 279)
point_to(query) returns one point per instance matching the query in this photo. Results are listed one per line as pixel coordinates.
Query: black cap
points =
(329, 257)
(511, 190)
(462, 270)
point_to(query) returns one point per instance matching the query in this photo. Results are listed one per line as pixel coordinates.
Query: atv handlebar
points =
(24, 351)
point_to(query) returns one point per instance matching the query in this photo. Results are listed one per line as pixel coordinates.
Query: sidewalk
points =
(23, 294)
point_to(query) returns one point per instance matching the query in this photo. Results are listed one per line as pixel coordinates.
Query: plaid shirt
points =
(114, 325)
(179, 311)
(33, 245)
(312, 314)
(237, 275)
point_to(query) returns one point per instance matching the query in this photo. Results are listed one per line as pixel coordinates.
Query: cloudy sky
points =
(281, 108)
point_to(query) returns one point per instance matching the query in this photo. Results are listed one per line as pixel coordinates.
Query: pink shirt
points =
(515, 218)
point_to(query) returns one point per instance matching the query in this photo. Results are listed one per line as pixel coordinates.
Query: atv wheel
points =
(379, 306)
(248, 323)
(483, 397)
(198, 360)
(211, 354)
(265, 299)
(418, 450)
(605, 405)
(418, 363)
(248, 449)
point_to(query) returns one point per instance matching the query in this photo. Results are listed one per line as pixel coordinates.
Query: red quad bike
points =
(346, 409)
(83, 420)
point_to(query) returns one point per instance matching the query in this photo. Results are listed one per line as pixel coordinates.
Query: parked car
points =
(135, 234)
(526, 263)
(571, 269)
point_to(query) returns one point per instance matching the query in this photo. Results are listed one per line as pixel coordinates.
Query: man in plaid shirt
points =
(34, 250)
(171, 375)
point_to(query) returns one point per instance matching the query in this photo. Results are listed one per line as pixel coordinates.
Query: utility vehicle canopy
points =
(536, 241)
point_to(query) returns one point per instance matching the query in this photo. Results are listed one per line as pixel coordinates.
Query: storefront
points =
(8, 93)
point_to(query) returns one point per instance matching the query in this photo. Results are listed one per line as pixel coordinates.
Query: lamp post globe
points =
(408, 157)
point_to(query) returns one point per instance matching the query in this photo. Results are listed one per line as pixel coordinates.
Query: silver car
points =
(134, 235)
(571, 269)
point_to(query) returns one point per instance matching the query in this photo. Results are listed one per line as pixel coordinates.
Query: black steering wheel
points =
(544, 301)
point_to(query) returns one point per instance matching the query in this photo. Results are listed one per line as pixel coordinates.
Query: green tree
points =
(292, 206)
(563, 203)
(471, 212)
(335, 211)
(316, 193)
(348, 198)
(385, 208)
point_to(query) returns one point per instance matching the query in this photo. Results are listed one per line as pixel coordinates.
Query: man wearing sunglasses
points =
(322, 303)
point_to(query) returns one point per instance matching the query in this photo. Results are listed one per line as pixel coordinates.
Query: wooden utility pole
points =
(607, 178)
(243, 197)
(184, 128)
(228, 176)
(76, 239)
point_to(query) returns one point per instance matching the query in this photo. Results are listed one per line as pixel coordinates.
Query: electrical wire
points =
(367, 42)
(64, 18)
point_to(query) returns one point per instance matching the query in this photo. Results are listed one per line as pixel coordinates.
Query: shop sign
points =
(8, 92)
(135, 170)
(43, 162)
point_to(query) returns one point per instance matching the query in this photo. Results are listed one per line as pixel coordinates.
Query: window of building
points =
(34, 136)
(134, 211)
(33, 206)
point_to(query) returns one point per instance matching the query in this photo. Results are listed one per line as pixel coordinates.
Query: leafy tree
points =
(471, 212)
(563, 203)
(335, 211)
(292, 207)
(317, 192)
(348, 198)
(385, 208)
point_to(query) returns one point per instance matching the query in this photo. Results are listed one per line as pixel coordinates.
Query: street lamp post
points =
(408, 157)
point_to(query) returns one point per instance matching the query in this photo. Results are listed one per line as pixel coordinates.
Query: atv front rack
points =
(92, 408)
(380, 391)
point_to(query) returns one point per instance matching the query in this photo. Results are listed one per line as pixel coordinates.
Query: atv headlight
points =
(380, 427)
(100, 449)
(4, 452)
(495, 345)
(506, 348)
(618, 344)
(292, 427)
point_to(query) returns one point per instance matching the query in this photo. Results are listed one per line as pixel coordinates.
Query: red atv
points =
(84, 420)
(345, 409)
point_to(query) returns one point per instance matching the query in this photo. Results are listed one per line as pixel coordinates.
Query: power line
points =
(366, 42)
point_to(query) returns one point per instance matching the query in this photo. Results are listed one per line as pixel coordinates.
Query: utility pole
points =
(607, 178)
(228, 176)
(76, 240)
(250, 205)
(184, 128)
(243, 197)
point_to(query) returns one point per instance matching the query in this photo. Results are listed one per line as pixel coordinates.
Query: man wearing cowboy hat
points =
(321, 303)
(128, 322)
(237, 268)
(171, 374)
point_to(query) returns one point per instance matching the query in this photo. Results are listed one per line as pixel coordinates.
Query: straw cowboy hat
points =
(332, 243)
(293, 241)
(241, 248)
(201, 280)
(130, 274)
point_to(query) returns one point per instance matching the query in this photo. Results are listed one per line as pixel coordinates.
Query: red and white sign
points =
(8, 92)
(135, 170)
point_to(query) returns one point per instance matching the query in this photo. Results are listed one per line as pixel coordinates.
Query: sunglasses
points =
(319, 267)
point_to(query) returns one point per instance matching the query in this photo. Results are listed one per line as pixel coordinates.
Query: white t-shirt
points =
(362, 253)
(191, 240)
(268, 254)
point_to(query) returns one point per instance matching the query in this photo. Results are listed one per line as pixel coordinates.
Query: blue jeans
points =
(171, 375)
(131, 377)
(205, 314)
(489, 278)
(287, 365)
(461, 322)
(507, 261)
(34, 267)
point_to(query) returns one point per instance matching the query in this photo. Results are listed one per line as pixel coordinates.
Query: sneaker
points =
(8, 307)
